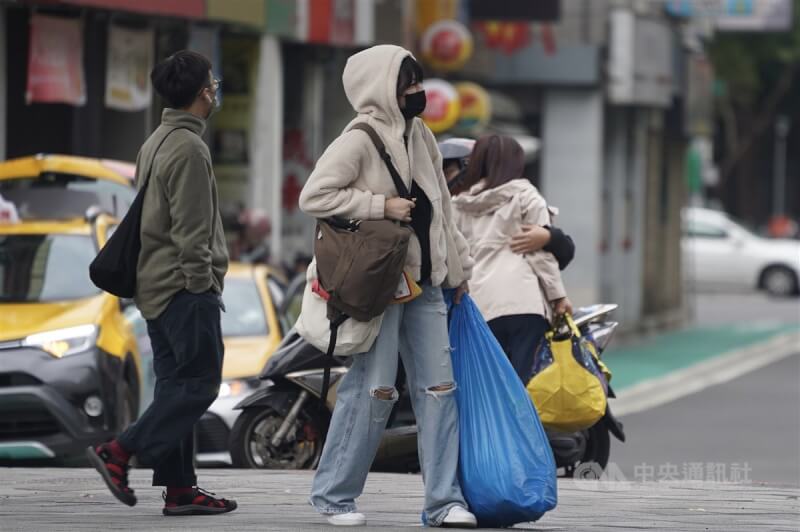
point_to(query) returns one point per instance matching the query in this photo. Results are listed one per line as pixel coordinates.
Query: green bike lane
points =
(660, 355)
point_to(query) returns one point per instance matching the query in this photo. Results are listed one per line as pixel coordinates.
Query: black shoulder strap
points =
(153, 159)
(376, 140)
(326, 375)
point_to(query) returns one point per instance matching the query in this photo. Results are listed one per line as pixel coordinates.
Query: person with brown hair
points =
(518, 294)
(531, 238)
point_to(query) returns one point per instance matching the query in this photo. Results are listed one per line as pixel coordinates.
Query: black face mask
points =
(415, 104)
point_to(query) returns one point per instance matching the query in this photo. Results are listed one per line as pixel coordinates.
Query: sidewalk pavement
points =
(76, 500)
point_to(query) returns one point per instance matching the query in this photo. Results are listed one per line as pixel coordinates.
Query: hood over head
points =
(479, 202)
(370, 83)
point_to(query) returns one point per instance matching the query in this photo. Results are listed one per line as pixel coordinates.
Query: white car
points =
(718, 253)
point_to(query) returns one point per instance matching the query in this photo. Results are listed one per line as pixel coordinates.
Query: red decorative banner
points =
(508, 37)
(330, 21)
(55, 61)
(549, 40)
(319, 21)
(175, 8)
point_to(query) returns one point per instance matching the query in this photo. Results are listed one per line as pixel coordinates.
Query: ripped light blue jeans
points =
(366, 395)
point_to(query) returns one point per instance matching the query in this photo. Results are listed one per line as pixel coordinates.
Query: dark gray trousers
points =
(187, 358)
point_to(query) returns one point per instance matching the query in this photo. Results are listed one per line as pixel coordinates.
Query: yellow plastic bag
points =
(568, 387)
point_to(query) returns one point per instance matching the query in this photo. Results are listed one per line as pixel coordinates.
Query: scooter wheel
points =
(251, 448)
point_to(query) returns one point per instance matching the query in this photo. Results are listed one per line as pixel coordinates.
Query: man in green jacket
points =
(179, 281)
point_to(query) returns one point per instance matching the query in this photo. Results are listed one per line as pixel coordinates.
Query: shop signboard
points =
(443, 107)
(128, 67)
(640, 62)
(446, 45)
(55, 61)
(231, 125)
(737, 15)
(476, 108)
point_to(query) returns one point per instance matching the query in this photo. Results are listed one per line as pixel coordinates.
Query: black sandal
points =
(198, 502)
(113, 471)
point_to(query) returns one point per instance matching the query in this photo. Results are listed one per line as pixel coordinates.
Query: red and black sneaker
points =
(197, 502)
(114, 471)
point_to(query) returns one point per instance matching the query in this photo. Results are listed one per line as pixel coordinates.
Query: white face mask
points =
(215, 104)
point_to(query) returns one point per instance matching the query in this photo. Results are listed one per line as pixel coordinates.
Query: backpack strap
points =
(402, 189)
(326, 376)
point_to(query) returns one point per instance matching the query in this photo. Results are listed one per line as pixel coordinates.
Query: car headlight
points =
(234, 388)
(64, 342)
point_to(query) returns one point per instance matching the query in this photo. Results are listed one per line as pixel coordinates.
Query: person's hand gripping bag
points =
(506, 467)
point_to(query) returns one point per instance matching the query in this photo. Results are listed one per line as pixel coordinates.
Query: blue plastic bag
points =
(506, 467)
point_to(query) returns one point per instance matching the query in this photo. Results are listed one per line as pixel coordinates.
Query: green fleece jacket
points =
(183, 243)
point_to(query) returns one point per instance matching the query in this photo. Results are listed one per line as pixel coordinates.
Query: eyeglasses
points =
(216, 84)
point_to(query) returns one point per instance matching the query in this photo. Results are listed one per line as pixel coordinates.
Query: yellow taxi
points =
(75, 362)
(252, 327)
(72, 371)
(63, 186)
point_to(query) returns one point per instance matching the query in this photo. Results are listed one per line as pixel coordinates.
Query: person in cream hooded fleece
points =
(350, 180)
(517, 294)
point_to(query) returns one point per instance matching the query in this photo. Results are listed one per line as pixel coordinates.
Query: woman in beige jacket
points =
(350, 180)
(516, 294)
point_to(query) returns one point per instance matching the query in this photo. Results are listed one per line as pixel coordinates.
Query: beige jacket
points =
(505, 283)
(350, 180)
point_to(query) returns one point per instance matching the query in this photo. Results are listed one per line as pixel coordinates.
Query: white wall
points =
(365, 22)
(622, 259)
(266, 164)
(572, 172)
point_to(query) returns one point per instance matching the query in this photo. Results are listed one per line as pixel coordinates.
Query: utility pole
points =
(779, 166)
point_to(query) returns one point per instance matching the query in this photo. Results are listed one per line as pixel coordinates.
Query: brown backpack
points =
(359, 265)
(360, 262)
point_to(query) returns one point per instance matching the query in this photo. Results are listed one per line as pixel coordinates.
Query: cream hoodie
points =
(350, 180)
(505, 283)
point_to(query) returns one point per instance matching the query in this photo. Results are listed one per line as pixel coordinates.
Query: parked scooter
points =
(592, 445)
(284, 422)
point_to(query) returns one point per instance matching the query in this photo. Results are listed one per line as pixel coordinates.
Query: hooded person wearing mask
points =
(350, 180)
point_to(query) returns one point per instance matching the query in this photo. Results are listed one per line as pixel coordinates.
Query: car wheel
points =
(250, 444)
(779, 281)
